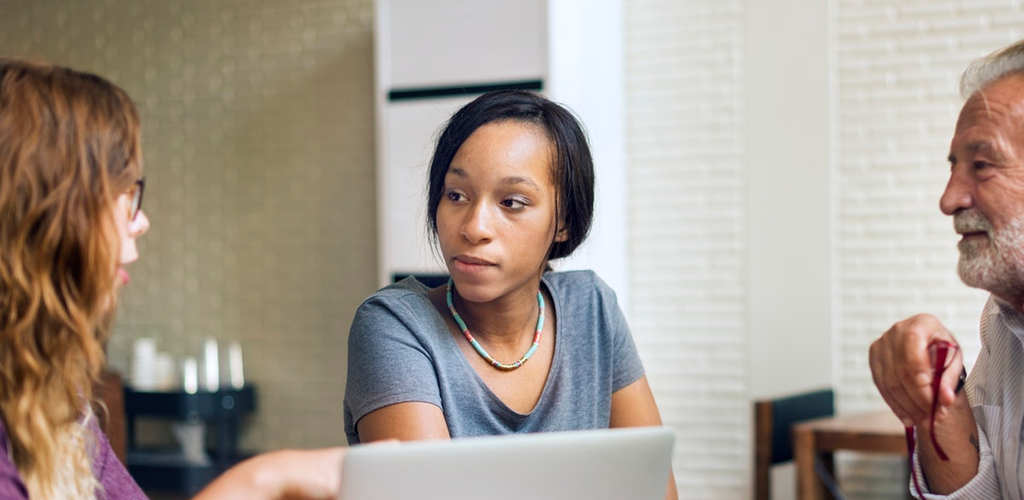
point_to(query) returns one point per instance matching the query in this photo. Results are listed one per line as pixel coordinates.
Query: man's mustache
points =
(971, 221)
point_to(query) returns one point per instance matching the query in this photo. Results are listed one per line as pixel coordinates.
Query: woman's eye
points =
(513, 203)
(454, 196)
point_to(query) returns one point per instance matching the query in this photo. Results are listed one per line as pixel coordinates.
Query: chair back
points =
(773, 423)
(109, 408)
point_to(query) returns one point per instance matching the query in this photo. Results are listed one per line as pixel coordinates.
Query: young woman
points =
(507, 346)
(70, 211)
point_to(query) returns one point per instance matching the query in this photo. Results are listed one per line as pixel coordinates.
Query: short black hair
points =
(573, 169)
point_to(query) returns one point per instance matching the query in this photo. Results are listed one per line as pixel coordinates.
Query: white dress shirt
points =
(995, 389)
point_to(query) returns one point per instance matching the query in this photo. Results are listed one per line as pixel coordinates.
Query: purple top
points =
(117, 484)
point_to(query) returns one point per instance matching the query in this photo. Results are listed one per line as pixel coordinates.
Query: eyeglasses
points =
(939, 351)
(140, 187)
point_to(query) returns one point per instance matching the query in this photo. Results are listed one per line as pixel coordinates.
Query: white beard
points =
(995, 264)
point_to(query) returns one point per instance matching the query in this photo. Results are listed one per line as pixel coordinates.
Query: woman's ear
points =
(562, 235)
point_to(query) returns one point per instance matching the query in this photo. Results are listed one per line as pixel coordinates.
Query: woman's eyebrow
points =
(515, 179)
(508, 181)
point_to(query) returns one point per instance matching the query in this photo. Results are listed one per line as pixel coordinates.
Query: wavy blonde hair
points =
(69, 146)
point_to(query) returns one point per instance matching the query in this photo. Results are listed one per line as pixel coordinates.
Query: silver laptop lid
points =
(607, 464)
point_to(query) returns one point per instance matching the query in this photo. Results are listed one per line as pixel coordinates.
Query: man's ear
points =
(562, 235)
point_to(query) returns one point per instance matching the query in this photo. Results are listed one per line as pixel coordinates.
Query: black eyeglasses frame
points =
(140, 188)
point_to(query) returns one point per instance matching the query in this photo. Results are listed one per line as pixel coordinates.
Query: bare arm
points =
(958, 437)
(311, 475)
(403, 421)
(634, 406)
(902, 370)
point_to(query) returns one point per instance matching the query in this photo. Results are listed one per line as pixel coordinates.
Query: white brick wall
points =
(898, 67)
(895, 69)
(687, 211)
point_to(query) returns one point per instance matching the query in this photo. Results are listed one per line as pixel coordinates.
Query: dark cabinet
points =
(167, 470)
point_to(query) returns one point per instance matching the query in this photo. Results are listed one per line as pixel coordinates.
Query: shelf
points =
(167, 470)
(180, 405)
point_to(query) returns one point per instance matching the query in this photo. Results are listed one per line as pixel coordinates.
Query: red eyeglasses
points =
(940, 354)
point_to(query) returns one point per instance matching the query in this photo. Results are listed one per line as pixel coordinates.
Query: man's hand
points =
(903, 370)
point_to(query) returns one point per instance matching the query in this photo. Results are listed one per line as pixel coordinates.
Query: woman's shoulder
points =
(111, 473)
(576, 282)
(394, 309)
(11, 485)
(409, 292)
(582, 289)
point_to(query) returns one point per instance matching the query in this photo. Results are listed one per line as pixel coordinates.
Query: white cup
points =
(211, 364)
(190, 375)
(165, 378)
(235, 372)
(144, 364)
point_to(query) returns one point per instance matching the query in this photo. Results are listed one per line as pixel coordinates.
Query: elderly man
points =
(980, 429)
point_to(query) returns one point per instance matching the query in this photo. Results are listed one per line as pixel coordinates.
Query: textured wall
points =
(258, 139)
(687, 231)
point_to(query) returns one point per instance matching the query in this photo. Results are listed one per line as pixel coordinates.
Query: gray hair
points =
(992, 67)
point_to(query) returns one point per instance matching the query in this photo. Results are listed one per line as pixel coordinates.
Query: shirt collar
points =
(1007, 315)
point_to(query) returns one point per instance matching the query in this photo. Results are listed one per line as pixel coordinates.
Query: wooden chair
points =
(109, 409)
(773, 441)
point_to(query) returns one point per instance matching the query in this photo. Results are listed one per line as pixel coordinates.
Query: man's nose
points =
(959, 193)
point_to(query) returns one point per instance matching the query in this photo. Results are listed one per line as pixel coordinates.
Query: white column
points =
(586, 72)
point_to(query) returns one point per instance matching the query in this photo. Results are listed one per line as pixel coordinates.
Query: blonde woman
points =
(70, 210)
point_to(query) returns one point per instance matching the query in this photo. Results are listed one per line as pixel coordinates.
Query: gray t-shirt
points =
(400, 350)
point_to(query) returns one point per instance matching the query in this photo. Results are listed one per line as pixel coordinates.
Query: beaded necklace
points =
(480, 350)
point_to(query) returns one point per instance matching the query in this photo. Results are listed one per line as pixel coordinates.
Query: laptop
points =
(607, 464)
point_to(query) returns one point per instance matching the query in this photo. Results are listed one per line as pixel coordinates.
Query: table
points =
(879, 432)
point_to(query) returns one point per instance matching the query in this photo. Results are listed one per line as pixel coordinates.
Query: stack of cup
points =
(152, 370)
